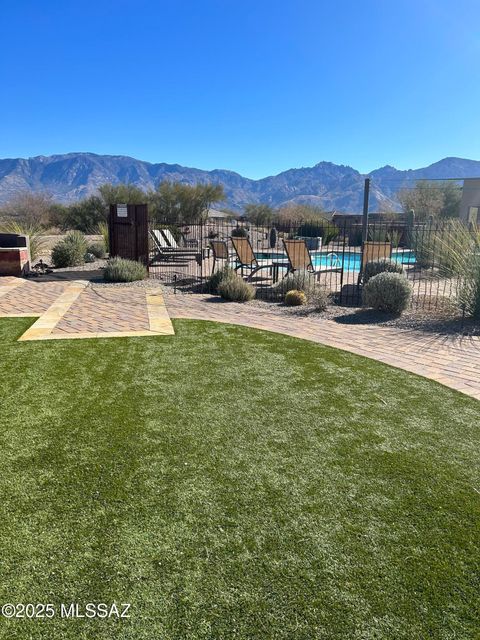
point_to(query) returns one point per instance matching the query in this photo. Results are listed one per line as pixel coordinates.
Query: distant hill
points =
(72, 176)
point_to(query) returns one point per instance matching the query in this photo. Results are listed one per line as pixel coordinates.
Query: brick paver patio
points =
(76, 309)
(451, 361)
(24, 298)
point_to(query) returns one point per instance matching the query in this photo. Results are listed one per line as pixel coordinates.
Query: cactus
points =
(295, 298)
(273, 238)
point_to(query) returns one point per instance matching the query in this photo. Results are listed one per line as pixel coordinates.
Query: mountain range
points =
(72, 176)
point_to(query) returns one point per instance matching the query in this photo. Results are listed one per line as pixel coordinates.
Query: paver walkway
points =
(452, 361)
(75, 309)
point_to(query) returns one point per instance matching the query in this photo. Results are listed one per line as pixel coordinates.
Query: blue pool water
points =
(350, 261)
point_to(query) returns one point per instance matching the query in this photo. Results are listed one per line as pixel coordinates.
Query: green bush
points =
(295, 298)
(319, 228)
(219, 276)
(97, 249)
(121, 270)
(387, 292)
(70, 252)
(383, 265)
(236, 290)
(85, 215)
(299, 280)
(239, 232)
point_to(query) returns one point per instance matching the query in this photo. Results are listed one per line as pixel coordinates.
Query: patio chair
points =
(220, 252)
(372, 250)
(300, 258)
(246, 258)
(166, 253)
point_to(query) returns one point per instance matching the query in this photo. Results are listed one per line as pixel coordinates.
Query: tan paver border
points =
(159, 320)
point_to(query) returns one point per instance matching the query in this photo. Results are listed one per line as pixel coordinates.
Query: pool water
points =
(350, 260)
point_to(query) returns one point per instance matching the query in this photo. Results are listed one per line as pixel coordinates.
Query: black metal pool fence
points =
(185, 256)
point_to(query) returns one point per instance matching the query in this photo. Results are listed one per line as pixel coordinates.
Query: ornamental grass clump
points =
(235, 289)
(70, 252)
(217, 277)
(453, 250)
(295, 298)
(33, 230)
(389, 292)
(384, 265)
(121, 270)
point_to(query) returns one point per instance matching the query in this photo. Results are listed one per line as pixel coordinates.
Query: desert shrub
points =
(387, 292)
(299, 280)
(97, 249)
(31, 229)
(70, 252)
(319, 228)
(219, 276)
(240, 232)
(383, 265)
(236, 289)
(454, 250)
(319, 299)
(121, 270)
(295, 298)
(102, 230)
(85, 215)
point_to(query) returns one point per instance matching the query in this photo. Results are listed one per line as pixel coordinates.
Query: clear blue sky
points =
(256, 86)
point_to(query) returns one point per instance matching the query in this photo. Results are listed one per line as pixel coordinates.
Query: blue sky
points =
(254, 86)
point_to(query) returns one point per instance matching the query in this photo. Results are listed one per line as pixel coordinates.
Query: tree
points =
(122, 194)
(29, 208)
(174, 202)
(431, 198)
(85, 215)
(260, 215)
(452, 197)
(297, 213)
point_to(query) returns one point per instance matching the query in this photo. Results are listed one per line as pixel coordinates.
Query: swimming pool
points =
(350, 260)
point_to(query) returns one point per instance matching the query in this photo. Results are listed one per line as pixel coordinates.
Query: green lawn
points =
(232, 483)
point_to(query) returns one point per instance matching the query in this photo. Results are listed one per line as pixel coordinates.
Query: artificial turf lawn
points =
(232, 483)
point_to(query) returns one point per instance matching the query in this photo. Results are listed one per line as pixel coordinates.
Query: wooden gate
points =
(128, 231)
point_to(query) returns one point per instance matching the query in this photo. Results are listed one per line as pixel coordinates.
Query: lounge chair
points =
(220, 252)
(246, 258)
(166, 253)
(299, 258)
(372, 250)
(169, 237)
